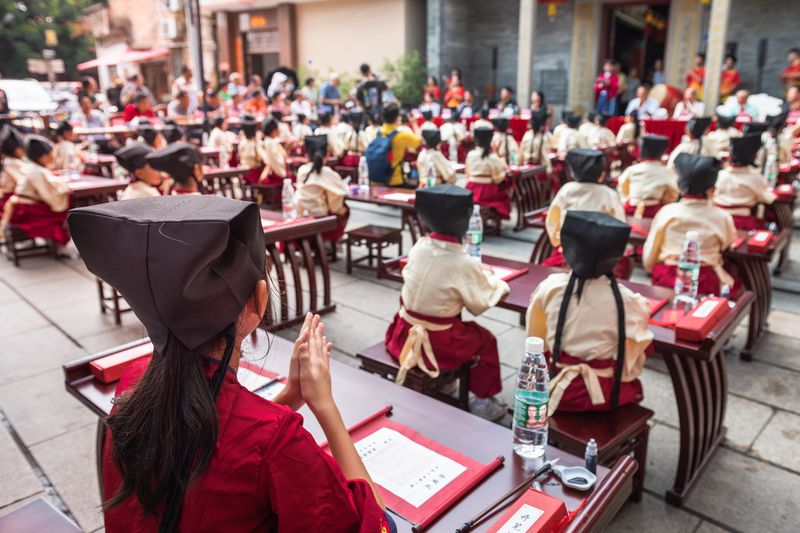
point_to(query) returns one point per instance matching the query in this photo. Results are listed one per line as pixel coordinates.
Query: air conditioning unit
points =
(174, 5)
(169, 28)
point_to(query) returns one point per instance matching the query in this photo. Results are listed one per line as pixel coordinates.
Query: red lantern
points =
(552, 10)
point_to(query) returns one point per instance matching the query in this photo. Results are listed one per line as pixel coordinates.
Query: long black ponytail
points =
(318, 159)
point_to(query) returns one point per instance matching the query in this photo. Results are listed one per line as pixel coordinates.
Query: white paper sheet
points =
(269, 393)
(250, 380)
(399, 196)
(521, 521)
(405, 468)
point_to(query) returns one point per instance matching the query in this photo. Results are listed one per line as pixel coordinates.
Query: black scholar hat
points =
(586, 164)
(445, 209)
(178, 160)
(696, 174)
(745, 148)
(538, 119)
(316, 143)
(593, 242)
(653, 146)
(483, 136)
(432, 138)
(10, 140)
(132, 156)
(725, 121)
(185, 264)
(754, 127)
(36, 146)
(698, 126)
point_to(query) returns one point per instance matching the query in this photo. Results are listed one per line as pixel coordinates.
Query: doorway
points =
(636, 35)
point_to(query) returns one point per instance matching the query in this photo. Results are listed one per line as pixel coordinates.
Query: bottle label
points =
(474, 237)
(692, 268)
(530, 410)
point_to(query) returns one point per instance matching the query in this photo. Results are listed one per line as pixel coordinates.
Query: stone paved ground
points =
(49, 315)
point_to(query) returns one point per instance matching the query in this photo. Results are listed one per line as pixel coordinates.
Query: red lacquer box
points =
(110, 368)
(534, 511)
(697, 324)
(760, 241)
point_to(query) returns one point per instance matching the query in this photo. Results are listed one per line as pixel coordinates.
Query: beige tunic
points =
(665, 242)
(741, 188)
(441, 280)
(590, 331)
(558, 131)
(489, 169)
(11, 174)
(251, 152)
(648, 183)
(506, 145)
(335, 145)
(587, 129)
(319, 194)
(66, 154)
(219, 138)
(719, 140)
(445, 172)
(688, 146)
(371, 132)
(355, 141)
(301, 131)
(481, 123)
(39, 184)
(453, 129)
(531, 147)
(581, 197)
(275, 158)
(626, 133)
(569, 139)
(602, 137)
(139, 189)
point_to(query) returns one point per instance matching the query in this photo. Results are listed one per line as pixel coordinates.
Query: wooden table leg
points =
(756, 277)
(700, 390)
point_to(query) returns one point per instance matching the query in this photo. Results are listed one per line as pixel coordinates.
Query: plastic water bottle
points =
(430, 174)
(363, 175)
(224, 157)
(688, 270)
(530, 401)
(453, 149)
(287, 200)
(512, 159)
(772, 169)
(475, 234)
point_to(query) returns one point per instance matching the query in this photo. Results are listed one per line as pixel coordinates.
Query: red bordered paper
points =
(267, 223)
(260, 381)
(656, 305)
(507, 274)
(370, 437)
(667, 318)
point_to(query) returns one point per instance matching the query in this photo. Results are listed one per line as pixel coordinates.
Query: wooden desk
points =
(754, 270)
(530, 190)
(90, 190)
(359, 395)
(36, 517)
(408, 213)
(697, 370)
(228, 182)
(296, 246)
(98, 164)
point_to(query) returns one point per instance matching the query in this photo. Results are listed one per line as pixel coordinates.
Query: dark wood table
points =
(697, 369)
(408, 212)
(90, 190)
(359, 395)
(293, 251)
(753, 267)
(783, 211)
(35, 517)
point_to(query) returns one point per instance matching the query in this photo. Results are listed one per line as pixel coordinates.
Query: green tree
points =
(22, 25)
(406, 76)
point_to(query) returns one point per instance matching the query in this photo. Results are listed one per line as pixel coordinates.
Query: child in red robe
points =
(12, 149)
(439, 281)
(649, 184)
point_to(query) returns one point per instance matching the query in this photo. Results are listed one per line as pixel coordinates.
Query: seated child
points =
(588, 126)
(741, 187)
(630, 131)
(251, 149)
(427, 121)
(149, 135)
(321, 191)
(594, 329)
(353, 139)
(649, 184)
(431, 155)
(145, 180)
(482, 122)
(537, 141)
(453, 128)
(697, 176)
(335, 146)
(171, 132)
(602, 136)
(181, 162)
(41, 199)
(568, 137)
(692, 142)
(586, 193)
(486, 174)
(719, 140)
(275, 165)
(301, 129)
(66, 149)
(12, 149)
(439, 281)
(504, 144)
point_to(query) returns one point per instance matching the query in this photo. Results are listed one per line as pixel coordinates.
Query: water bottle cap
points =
(476, 209)
(534, 345)
(693, 235)
(287, 180)
(591, 446)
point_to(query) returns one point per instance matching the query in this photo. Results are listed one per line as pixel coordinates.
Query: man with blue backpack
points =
(386, 152)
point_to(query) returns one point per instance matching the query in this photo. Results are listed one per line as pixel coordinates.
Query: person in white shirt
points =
(301, 106)
(689, 107)
(431, 157)
(648, 107)
(431, 105)
(719, 140)
(692, 142)
(184, 83)
(602, 136)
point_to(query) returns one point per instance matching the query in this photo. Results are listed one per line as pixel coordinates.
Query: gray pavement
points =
(49, 315)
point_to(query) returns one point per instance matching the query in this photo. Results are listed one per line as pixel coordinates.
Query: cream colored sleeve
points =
(552, 221)
(480, 290)
(728, 232)
(498, 168)
(535, 317)
(624, 184)
(655, 239)
(335, 190)
(444, 168)
(525, 146)
(275, 159)
(616, 206)
(638, 336)
(52, 190)
(761, 192)
(671, 192)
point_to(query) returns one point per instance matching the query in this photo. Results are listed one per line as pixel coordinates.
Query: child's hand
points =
(315, 371)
